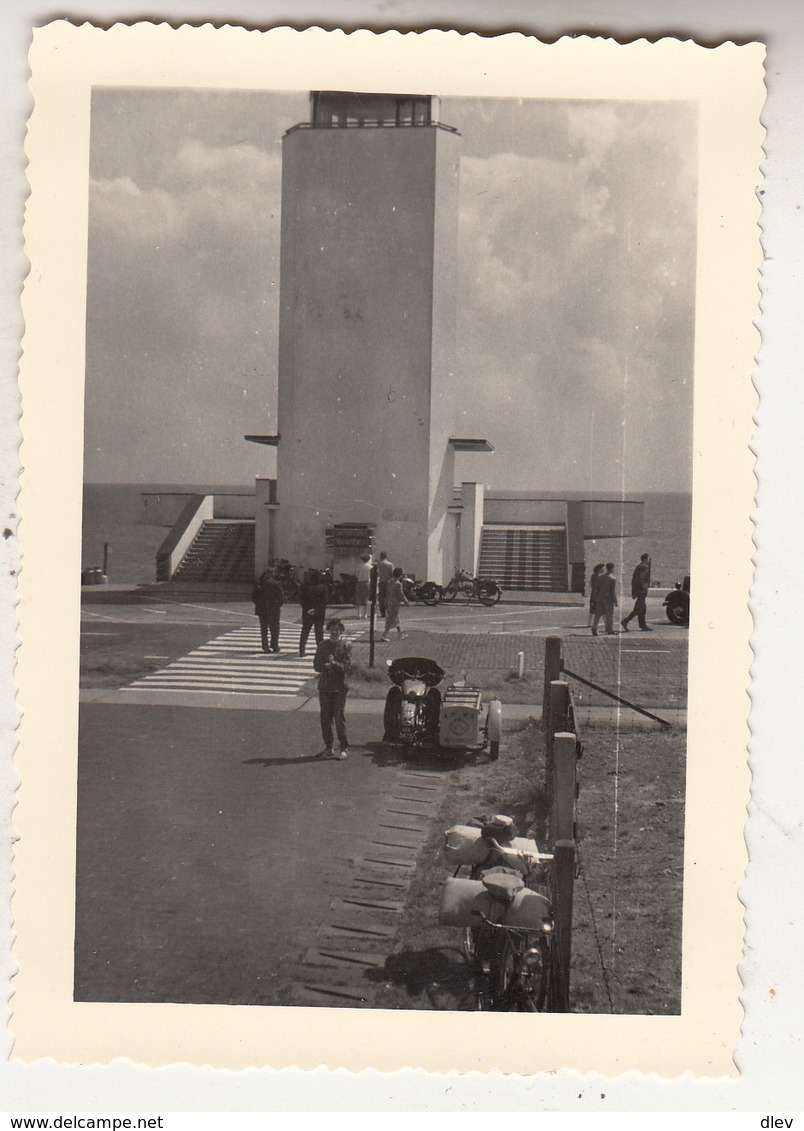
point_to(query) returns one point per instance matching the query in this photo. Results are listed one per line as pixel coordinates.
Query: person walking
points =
(333, 658)
(606, 600)
(394, 598)
(640, 585)
(593, 580)
(362, 587)
(314, 597)
(385, 571)
(268, 599)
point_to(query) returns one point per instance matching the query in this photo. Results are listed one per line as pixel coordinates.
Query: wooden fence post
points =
(563, 885)
(562, 809)
(556, 721)
(552, 670)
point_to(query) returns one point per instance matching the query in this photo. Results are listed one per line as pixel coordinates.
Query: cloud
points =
(577, 292)
(182, 305)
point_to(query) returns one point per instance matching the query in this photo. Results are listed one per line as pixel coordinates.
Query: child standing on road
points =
(332, 660)
(394, 598)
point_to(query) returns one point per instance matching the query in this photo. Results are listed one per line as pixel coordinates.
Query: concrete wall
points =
(442, 373)
(550, 511)
(357, 326)
(472, 517)
(265, 520)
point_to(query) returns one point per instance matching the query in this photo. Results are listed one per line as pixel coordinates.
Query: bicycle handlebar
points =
(546, 927)
(534, 857)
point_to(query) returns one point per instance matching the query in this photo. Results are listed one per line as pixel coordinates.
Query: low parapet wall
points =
(163, 508)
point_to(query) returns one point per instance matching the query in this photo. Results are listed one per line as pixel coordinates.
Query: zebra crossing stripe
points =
(235, 662)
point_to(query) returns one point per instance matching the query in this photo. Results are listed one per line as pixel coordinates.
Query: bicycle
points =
(516, 967)
(507, 921)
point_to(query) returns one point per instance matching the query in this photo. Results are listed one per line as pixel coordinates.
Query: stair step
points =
(222, 551)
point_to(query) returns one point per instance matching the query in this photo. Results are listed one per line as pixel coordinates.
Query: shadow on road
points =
(413, 758)
(304, 759)
(441, 974)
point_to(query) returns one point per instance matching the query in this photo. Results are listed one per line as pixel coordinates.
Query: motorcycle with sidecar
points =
(417, 714)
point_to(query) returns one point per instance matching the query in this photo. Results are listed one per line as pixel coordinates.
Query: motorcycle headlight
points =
(532, 957)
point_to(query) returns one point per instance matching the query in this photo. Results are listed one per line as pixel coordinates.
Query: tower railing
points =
(372, 123)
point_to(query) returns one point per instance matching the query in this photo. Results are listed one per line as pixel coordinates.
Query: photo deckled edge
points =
(728, 84)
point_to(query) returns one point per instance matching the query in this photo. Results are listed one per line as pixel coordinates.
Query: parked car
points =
(677, 602)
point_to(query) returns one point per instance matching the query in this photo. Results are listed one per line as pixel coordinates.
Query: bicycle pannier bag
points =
(464, 845)
(463, 901)
(529, 909)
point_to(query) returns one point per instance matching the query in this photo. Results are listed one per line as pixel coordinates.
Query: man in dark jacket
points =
(268, 599)
(314, 597)
(332, 659)
(640, 584)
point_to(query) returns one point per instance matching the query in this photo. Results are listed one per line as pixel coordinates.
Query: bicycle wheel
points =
(522, 976)
(450, 592)
(534, 982)
(503, 972)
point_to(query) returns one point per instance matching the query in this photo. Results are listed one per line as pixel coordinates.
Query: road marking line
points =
(206, 608)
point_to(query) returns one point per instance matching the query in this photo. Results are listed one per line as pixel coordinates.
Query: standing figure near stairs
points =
(268, 598)
(314, 597)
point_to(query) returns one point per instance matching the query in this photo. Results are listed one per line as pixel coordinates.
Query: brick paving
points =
(648, 669)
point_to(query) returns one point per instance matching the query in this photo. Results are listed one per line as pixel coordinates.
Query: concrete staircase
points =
(524, 558)
(223, 551)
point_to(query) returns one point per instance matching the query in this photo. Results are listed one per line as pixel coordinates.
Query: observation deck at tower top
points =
(340, 110)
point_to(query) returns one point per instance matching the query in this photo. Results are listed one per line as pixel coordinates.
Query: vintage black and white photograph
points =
(389, 394)
(388, 417)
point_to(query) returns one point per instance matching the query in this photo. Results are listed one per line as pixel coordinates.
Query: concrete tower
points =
(367, 332)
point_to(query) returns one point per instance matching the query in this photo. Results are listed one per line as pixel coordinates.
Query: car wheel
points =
(677, 607)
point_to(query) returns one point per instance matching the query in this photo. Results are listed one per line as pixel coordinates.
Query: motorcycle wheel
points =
(470, 943)
(450, 593)
(489, 593)
(431, 594)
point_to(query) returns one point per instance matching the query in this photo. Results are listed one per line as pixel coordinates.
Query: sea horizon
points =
(112, 515)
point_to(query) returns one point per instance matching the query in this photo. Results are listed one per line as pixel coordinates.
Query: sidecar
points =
(418, 714)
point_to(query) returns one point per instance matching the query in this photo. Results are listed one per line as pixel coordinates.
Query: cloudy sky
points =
(575, 291)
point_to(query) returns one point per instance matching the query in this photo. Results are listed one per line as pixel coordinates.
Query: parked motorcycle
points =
(286, 575)
(416, 713)
(342, 591)
(483, 589)
(426, 592)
